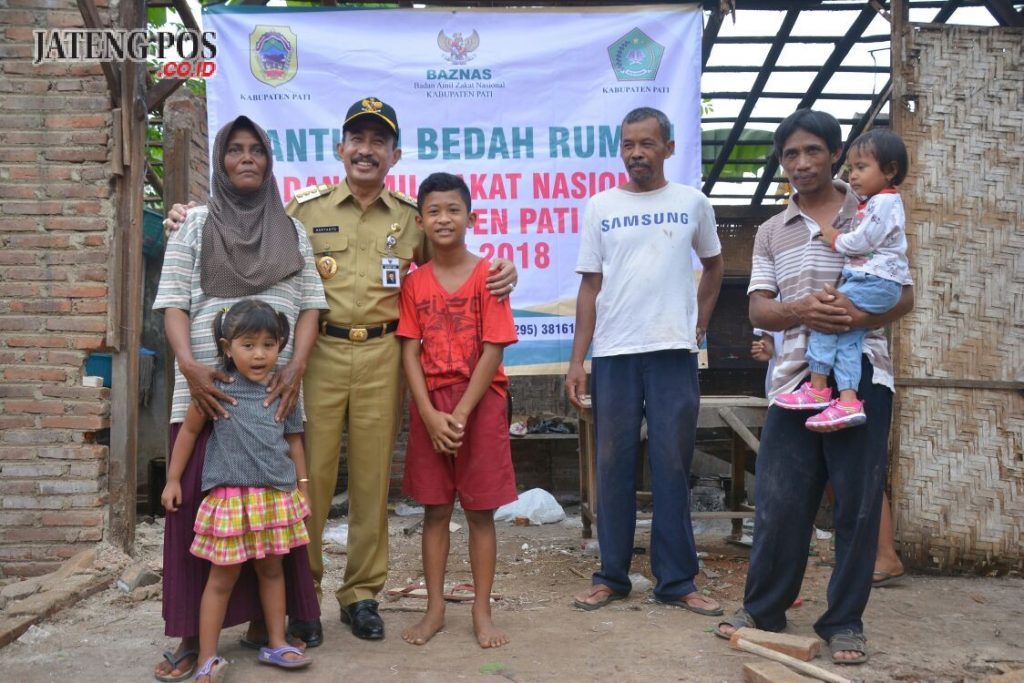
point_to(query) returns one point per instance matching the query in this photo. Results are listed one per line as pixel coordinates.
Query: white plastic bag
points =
(337, 534)
(536, 504)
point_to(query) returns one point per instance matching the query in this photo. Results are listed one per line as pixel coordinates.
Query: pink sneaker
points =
(838, 415)
(805, 398)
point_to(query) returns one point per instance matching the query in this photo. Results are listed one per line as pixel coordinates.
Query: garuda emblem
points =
(457, 48)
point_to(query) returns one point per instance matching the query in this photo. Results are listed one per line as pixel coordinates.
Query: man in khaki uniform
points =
(364, 239)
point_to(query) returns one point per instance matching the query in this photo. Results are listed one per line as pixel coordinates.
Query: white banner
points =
(525, 105)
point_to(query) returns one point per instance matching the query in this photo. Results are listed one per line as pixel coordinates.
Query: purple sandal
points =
(276, 657)
(213, 669)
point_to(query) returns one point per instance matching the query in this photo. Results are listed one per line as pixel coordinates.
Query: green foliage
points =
(753, 144)
(156, 16)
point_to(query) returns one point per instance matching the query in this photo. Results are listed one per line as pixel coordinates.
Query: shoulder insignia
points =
(405, 198)
(307, 193)
(324, 189)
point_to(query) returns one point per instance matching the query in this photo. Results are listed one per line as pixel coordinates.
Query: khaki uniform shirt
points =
(338, 227)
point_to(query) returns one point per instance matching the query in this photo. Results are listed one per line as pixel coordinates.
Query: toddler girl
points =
(255, 476)
(873, 277)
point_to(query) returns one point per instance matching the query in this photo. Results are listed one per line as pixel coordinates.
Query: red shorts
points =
(482, 471)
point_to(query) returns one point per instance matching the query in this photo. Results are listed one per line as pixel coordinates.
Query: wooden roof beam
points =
(809, 68)
(92, 20)
(1004, 13)
(709, 36)
(739, 95)
(185, 14)
(842, 49)
(751, 101)
(946, 12)
(868, 119)
(809, 40)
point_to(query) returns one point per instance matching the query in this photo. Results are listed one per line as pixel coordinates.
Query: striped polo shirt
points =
(179, 288)
(790, 263)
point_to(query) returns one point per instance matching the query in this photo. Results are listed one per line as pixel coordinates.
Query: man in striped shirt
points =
(792, 288)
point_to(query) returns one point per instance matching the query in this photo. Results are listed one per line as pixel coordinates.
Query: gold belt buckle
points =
(358, 334)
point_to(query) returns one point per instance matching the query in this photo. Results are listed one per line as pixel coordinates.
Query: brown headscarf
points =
(249, 242)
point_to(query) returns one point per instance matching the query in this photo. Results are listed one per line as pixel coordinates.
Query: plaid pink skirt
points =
(236, 524)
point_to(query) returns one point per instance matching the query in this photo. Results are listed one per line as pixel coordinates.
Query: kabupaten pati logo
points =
(273, 58)
(635, 57)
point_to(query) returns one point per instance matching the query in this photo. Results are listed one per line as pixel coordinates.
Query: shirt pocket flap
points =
(402, 250)
(329, 242)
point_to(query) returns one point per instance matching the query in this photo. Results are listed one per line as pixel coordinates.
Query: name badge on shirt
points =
(389, 276)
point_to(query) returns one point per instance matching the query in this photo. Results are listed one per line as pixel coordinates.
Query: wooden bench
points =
(740, 414)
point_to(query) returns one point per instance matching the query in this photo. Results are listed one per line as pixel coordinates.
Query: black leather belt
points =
(359, 333)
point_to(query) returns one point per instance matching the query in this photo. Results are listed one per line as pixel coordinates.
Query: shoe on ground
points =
(310, 632)
(364, 619)
(805, 398)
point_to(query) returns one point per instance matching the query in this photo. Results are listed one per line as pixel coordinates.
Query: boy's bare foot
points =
(426, 629)
(487, 634)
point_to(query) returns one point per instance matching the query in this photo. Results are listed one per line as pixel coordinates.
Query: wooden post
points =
(897, 113)
(127, 277)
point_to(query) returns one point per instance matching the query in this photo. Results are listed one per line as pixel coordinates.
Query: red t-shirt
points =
(453, 326)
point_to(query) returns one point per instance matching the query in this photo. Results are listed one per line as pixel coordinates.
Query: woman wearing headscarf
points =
(241, 245)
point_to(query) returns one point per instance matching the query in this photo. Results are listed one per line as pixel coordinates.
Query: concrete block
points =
(771, 672)
(20, 590)
(136, 576)
(800, 647)
(144, 593)
(79, 563)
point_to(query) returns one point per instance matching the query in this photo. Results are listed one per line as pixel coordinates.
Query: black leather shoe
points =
(365, 620)
(309, 632)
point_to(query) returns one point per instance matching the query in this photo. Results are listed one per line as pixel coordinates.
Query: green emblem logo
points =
(272, 54)
(635, 57)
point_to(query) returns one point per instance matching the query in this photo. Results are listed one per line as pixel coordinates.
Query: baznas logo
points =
(457, 49)
(272, 54)
(635, 57)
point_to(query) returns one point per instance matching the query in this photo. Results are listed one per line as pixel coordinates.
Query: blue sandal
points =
(275, 656)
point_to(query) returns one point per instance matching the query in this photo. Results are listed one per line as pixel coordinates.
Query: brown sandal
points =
(596, 589)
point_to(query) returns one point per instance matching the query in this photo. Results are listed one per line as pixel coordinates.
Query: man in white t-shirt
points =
(638, 304)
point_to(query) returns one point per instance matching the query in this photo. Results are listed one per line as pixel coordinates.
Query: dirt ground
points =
(927, 629)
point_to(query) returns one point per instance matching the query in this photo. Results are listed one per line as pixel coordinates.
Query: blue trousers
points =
(841, 352)
(663, 386)
(793, 465)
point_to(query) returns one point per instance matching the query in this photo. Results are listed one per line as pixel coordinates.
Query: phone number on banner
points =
(545, 328)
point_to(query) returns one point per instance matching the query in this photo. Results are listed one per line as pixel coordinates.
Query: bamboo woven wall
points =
(958, 457)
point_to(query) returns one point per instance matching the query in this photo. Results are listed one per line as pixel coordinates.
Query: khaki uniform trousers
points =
(357, 382)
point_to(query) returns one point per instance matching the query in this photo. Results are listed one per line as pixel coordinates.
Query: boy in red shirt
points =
(453, 335)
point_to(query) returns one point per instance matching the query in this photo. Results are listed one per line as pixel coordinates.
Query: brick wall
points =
(56, 214)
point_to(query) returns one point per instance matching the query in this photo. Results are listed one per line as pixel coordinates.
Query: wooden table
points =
(741, 414)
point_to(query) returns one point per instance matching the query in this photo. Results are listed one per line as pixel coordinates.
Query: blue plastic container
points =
(100, 365)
